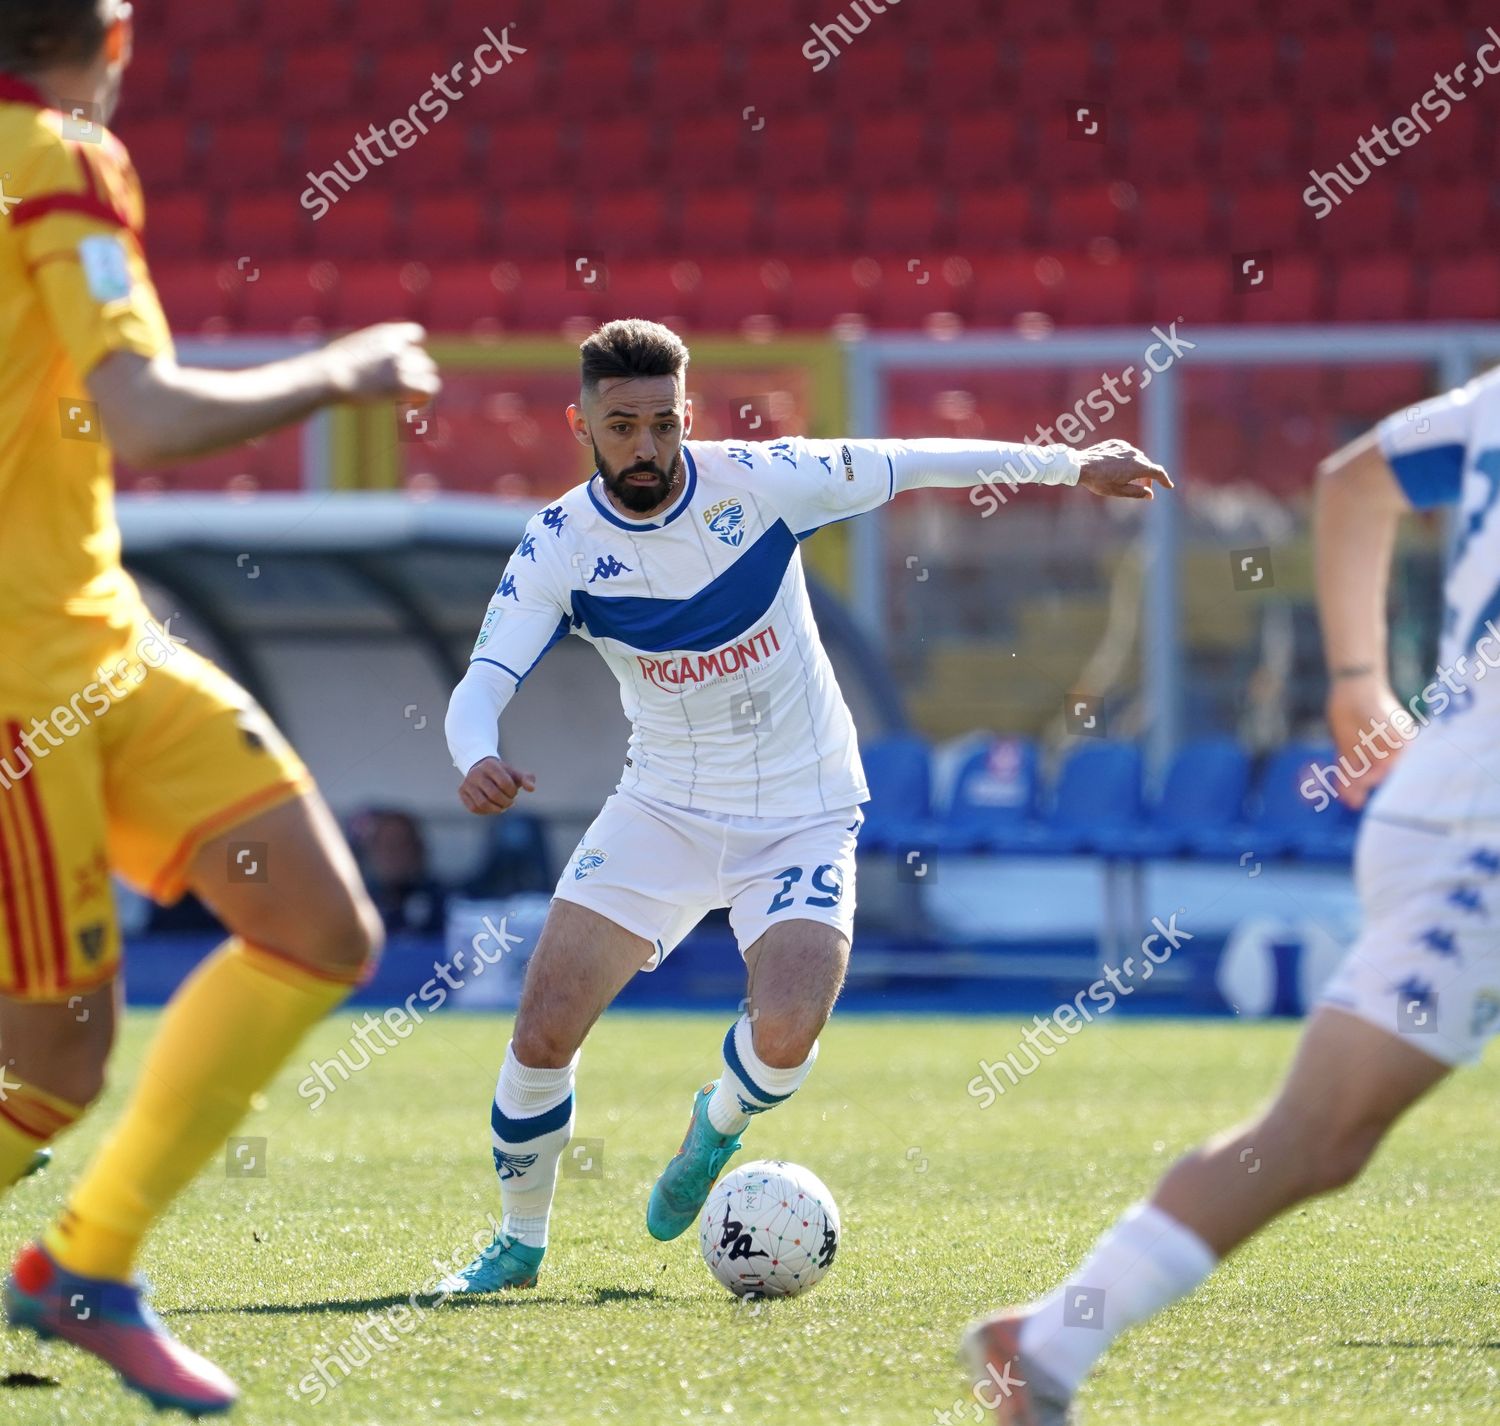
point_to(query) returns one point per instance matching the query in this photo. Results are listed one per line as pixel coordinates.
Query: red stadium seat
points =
(401, 74)
(248, 153)
(717, 222)
(824, 290)
(1459, 147)
(225, 81)
(1155, 65)
(527, 84)
(520, 154)
(287, 295)
(543, 224)
(962, 77)
(778, 79)
(1241, 68)
(1076, 216)
(555, 22)
(686, 79)
(888, 149)
(1110, 21)
(735, 289)
(1066, 153)
(363, 225)
(1165, 147)
(153, 84)
(656, 288)
(1371, 392)
(914, 291)
(873, 77)
(462, 297)
(382, 27)
(593, 77)
(1404, 14)
(633, 222)
(904, 220)
(199, 295)
(1332, 68)
(1294, 293)
(190, 22)
(1371, 219)
(1414, 60)
(1093, 292)
(1006, 286)
(612, 151)
(1054, 70)
(441, 226)
(980, 148)
(991, 219)
(1181, 218)
(792, 151)
(443, 157)
(370, 292)
(1196, 289)
(1301, 16)
(744, 26)
(1374, 289)
(1451, 217)
(810, 221)
(1260, 141)
(179, 224)
(544, 301)
(1216, 17)
(265, 225)
(1271, 216)
(160, 150)
(318, 82)
(708, 150)
(1463, 288)
(288, 23)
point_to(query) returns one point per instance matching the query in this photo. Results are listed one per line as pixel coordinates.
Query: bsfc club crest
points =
(727, 521)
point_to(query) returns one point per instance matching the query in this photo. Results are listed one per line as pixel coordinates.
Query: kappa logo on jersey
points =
(727, 521)
(677, 675)
(510, 1166)
(554, 519)
(607, 567)
(527, 547)
(588, 859)
(507, 589)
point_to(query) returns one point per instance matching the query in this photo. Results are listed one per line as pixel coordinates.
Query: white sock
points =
(748, 1085)
(1144, 1263)
(530, 1125)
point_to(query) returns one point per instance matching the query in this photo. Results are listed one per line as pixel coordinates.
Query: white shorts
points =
(657, 870)
(1426, 966)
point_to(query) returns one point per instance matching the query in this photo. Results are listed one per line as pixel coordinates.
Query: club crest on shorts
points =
(587, 859)
(727, 521)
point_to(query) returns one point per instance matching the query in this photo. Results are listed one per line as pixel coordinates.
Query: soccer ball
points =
(769, 1229)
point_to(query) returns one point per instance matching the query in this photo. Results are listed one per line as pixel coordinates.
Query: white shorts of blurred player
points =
(1426, 966)
(657, 870)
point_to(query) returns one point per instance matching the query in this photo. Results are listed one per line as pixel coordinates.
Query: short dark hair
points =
(37, 34)
(632, 346)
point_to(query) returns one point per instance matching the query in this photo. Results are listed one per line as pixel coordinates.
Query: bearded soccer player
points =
(1419, 992)
(122, 750)
(678, 561)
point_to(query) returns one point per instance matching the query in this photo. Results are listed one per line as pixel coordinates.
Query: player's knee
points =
(73, 1069)
(784, 1040)
(1337, 1160)
(344, 935)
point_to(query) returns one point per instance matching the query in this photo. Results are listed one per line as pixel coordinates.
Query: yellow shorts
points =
(133, 784)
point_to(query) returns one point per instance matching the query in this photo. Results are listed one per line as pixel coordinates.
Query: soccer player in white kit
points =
(678, 560)
(1419, 992)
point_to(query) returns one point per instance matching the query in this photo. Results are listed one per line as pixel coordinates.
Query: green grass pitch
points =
(1376, 1306)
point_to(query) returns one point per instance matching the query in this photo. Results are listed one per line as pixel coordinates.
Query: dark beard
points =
(640, 498)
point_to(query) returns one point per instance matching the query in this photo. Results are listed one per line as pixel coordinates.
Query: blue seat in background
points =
(1283, 822)
(1204, 792)
(1098, 792)
(996, 792)
(899, 771)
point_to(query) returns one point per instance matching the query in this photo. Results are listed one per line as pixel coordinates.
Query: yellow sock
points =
(225, 1034)
(30, 1118)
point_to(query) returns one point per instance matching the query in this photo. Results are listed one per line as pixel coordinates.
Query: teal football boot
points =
(684, 1185)
(39, 1161)
(504, 1264)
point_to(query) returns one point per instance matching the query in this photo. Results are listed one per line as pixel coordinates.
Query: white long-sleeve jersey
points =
(702, 614)
(1446, 451)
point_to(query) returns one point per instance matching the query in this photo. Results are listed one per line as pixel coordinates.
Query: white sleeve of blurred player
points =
(1427, 444)
(526, 616)
(816, 482)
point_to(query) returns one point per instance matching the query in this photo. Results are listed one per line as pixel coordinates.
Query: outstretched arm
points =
(1113, 468)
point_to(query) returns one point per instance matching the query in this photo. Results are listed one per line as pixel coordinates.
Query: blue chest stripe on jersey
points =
(1431, 477)
(718, 614)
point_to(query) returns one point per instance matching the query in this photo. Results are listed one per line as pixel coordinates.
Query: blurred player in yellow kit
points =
(120, 748)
